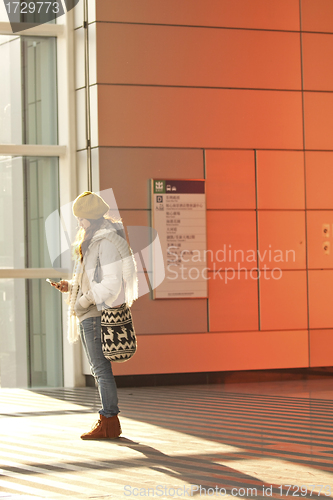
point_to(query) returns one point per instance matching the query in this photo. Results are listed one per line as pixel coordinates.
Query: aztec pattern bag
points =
(117, 333)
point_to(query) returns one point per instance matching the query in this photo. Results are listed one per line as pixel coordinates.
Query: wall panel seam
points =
(224, 332)
(199, 26)
(304, 170)
(205, 177)
(254, 89)
(199, 148)
(239, 28)
(257, 232)
(261, 209)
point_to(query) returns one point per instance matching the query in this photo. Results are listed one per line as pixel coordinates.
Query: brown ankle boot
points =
(105, 428)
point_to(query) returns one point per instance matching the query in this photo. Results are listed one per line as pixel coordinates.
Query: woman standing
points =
(104, 262)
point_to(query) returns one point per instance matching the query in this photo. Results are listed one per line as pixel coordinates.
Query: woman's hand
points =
(62, 286)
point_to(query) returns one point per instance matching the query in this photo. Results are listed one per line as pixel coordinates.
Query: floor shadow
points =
(296, 430)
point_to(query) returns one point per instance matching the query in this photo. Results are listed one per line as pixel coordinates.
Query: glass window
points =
(3, 13)
(10, 90)
(28, 92)
(45, 334)
(42, 199)
(12, 231)
(13, 340)
(30, 310)
(29, 194)
(35, 359)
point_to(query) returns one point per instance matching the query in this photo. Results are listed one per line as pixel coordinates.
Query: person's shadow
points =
(204, 469)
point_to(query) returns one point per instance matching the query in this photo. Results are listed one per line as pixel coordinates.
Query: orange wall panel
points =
(230, 179)
(321, 298)
(317, 15)
(173, 55)
(135, 218)
(260, 14)
(321, 347)
(318, 115)
(169, 316)
(192, 117)
(233, 301)
(217, 352)
(280, 179)
(283, 300)
(317, 61)
(317, 258)
(319, 179)
(281, 237)
(176, 78)
(231, 237)
(119, 165)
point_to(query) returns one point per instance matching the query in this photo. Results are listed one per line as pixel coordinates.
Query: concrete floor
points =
(238, 440)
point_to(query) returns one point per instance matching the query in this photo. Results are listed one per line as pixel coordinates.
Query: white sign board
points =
(179, 217)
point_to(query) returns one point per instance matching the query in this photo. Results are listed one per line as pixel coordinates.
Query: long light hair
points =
(84, 236)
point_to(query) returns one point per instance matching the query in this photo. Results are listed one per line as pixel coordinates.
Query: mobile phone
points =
(51, 281)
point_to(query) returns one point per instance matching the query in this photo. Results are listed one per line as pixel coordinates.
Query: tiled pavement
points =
(226, 441)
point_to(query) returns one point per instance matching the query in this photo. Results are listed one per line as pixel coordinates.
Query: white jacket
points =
(104, 285)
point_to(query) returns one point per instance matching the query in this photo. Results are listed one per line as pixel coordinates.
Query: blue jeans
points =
(90, 330)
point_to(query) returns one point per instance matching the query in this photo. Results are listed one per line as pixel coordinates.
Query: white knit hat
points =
(89, 206)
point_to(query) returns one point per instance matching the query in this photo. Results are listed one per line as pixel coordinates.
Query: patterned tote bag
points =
(117, 333)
